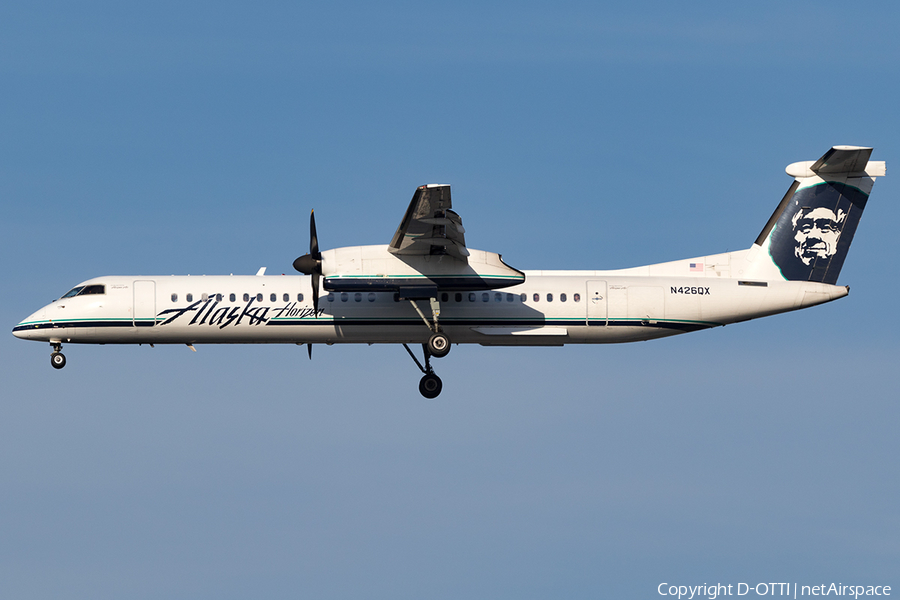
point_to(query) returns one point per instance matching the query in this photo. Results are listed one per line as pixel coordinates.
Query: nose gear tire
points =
(58, 360)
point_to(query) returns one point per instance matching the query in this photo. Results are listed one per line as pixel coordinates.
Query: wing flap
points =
(430, 227)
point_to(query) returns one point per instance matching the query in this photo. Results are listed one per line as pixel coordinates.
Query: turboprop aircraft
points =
(427, 287)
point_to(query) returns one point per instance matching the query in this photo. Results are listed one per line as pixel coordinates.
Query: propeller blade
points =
(311, 264)
(315, 291)
(309, 348)
(313, 238)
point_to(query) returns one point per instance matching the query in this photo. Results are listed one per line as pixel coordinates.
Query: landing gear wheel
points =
(430, 386)
(439, 345)
(58, 360)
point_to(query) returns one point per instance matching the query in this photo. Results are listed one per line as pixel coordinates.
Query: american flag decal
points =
(697, 267)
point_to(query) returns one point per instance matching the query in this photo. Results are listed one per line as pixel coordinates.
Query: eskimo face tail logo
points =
(812, 235)
(816, 233)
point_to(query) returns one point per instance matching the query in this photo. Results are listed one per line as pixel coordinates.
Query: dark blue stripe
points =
(685, 327)
(82, 324)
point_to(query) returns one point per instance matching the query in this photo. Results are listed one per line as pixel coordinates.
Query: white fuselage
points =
(428, 287)
(549, 308)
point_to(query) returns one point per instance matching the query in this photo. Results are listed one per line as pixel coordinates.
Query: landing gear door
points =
(144, 314)
(596, 303)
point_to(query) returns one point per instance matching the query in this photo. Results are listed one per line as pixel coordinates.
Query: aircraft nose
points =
(21, 331)
(27, 329)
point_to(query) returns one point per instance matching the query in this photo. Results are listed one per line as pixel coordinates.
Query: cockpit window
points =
(86, 290)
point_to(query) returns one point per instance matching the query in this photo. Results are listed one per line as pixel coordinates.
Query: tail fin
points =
(808, 235)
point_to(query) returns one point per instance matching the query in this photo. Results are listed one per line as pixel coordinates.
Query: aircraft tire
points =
(439, 345)
(430, 386)
(58, 360)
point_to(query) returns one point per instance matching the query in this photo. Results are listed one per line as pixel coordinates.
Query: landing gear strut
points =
(439, 343)
(57, 358)
(430, 385)
(438, 346)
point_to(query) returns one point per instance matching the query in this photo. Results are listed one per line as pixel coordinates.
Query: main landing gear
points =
(430, 385)
(438, 346)
(57, 358)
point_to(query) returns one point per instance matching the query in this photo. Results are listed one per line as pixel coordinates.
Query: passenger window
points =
(174, 297)
(509, 297)
(562, 297)
(357, 297)
(498, 297)
(371, 296)
(259, 297)
(286, 298)
(272, 297)
(537, 297)
(445, 297)
(246, 297)
(549, 297)
(576, 297)
(331, 296)
(458, 297)
(485, 297)
(189, 297)
(471, 296)
(344, 297)
(299, 297)
(231, 297)
(523, 297)
(218, 297)
(204, 296)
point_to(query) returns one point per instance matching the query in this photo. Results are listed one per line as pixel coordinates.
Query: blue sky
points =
(173, 139)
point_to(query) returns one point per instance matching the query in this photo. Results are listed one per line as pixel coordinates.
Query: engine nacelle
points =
(375, 269)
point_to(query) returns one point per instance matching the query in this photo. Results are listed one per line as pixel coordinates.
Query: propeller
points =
(311, 264)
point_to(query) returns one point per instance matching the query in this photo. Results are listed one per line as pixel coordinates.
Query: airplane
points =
(427, 287)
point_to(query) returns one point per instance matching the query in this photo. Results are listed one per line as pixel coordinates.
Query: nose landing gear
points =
(57, 358)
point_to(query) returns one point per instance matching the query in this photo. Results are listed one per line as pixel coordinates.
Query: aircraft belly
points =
(325, 332)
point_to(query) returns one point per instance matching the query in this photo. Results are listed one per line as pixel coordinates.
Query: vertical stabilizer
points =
(808, 235)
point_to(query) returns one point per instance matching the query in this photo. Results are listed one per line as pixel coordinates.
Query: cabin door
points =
(144, 314)
(595, 301)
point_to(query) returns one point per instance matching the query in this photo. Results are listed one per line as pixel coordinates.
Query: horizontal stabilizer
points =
(838, 161)
(843, 159)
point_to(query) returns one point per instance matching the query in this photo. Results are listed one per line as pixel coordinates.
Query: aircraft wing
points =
(430, 227)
